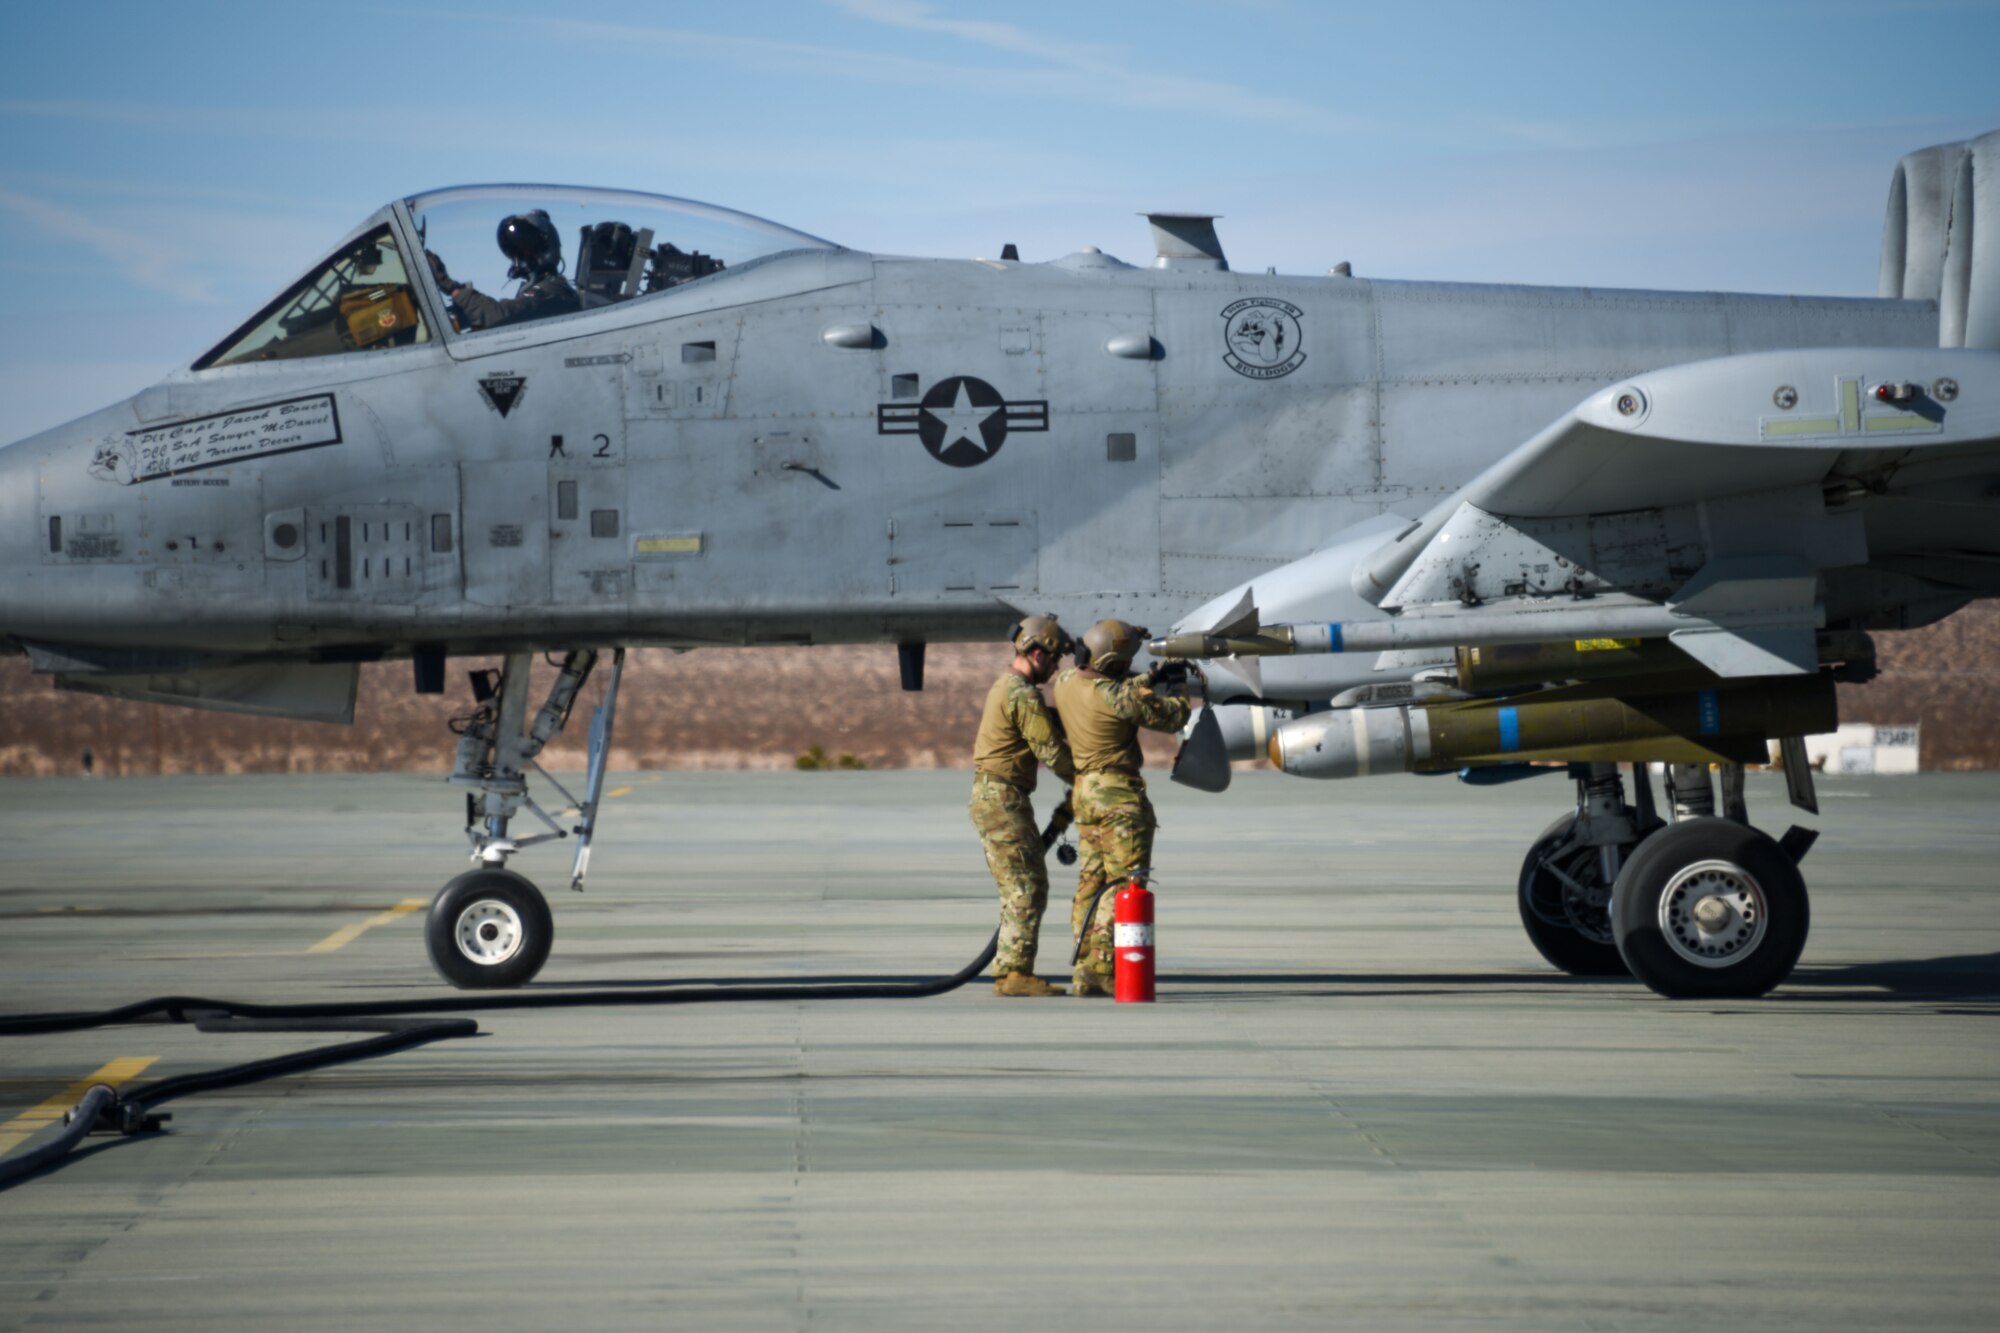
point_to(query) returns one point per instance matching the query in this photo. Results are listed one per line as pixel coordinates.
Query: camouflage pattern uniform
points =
(1015, 730)
(1114, 820)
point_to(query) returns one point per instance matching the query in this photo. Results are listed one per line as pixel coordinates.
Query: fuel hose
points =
(397, 1026)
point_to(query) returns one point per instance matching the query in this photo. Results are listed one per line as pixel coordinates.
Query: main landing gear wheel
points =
(1710, 909)
(489, 930)
(1566, 905)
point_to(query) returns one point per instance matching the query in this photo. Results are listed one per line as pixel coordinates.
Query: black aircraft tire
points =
(1750, 893)
(489, 930)
(1566, 949)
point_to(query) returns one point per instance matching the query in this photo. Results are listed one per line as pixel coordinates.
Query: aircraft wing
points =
(1702, 503)
(1705, 503)
(1712, 430)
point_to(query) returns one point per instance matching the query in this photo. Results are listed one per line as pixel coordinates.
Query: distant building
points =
(1864, 747)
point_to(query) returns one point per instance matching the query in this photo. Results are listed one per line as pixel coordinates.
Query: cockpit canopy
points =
(612, 247)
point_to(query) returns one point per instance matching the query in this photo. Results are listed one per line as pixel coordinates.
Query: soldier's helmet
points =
(1041, 632)
(531, 241)
(1111, 645)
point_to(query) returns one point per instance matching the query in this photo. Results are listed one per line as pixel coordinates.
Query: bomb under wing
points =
(1724, 724)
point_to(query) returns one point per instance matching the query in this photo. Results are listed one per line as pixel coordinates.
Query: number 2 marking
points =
(603, 446)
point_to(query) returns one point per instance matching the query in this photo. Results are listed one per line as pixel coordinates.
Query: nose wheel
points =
(489, 929)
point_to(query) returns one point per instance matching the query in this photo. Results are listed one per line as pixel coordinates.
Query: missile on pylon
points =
(1265, 641)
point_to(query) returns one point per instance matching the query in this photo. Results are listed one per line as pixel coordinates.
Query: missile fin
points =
(1240, 620)
(1248, 670)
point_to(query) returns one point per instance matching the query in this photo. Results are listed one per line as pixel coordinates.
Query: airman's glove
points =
(444, 282)
(1059, 823)
(1177, 678)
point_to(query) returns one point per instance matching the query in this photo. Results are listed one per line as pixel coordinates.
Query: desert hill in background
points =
(736, 708)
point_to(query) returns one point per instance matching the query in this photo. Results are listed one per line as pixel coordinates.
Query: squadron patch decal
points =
(1261, 337)
(962, 421)
(503, 391)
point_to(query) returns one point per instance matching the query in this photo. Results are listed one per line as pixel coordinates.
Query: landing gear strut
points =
(490, 927)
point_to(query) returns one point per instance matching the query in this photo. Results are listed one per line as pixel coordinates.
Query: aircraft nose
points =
(33, 530)
(20, 528)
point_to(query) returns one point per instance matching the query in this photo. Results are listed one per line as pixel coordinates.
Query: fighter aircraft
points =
(1409, 526)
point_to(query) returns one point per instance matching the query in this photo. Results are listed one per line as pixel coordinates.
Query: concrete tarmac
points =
(1362, 1101)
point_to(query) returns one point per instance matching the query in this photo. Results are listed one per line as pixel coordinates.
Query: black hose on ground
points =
(397, 1034)
(178, 1008)
(1089, 918)
(102, 1108)
(79, 1122)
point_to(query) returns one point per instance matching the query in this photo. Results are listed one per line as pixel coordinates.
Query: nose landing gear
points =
(491, 928)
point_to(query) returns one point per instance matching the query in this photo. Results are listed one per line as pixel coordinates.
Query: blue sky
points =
(164, 168)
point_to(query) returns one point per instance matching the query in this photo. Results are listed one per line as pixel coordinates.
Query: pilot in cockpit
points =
(533, 247)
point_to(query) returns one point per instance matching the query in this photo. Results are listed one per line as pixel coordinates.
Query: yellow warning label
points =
(1604, 645)
(686, 544)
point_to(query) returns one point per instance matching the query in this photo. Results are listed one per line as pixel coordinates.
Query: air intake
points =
(1186, 240)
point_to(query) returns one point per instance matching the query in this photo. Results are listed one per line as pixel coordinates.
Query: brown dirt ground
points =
(761, 707)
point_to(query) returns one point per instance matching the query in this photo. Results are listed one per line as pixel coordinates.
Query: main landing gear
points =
(1703, 907)
(491, 928)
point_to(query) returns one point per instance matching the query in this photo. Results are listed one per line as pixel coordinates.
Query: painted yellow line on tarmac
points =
(348, 934)
(619, 791)
(29, 1123)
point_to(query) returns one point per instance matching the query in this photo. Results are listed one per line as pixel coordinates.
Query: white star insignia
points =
(962, 421)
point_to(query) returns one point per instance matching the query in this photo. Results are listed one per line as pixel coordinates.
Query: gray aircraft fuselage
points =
(711, 465)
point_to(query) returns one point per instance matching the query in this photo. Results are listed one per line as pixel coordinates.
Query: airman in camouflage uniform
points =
(1015, 730)
(1102, 706)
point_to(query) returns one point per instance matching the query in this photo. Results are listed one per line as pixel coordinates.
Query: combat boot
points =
(1086, 983)
(1024, 983)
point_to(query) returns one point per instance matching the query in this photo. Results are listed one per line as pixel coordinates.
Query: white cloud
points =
(921, 17)
(1099, 73)
(139, 257)
(1056, 71)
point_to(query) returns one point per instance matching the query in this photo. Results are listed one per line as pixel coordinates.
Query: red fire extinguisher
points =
(1132, 944)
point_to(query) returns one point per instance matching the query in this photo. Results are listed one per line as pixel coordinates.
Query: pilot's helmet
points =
(1109, 645)
(532, 242)
(1040, 632)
